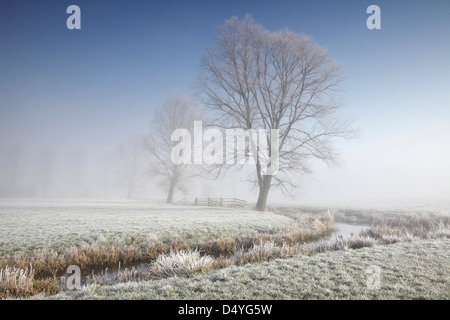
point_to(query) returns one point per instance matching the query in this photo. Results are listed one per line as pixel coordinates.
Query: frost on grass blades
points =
(241, 147)
(245, 184)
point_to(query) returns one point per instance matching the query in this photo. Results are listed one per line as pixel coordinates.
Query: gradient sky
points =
(93, 87)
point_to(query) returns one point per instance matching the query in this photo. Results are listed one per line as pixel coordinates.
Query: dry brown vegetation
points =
(23, 275)
(391, 230)
(345, 243)
(305, 228)
(48, 264)
(17, 282)
(266, 251)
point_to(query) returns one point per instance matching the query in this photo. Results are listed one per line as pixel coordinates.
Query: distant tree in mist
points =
(177, 112)
(131, 163)
(256, 79)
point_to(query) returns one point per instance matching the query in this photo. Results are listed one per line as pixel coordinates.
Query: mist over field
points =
(181, 150)
(411, 166)
(63, 115)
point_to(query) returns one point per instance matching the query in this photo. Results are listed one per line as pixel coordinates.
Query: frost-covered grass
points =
(367, 214)
(178, 242)
(51, 235)
(16, 281)
(182, 263)
(411, 270)
(266, 251)
(29, 225)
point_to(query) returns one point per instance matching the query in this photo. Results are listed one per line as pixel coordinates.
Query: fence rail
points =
(220, 202)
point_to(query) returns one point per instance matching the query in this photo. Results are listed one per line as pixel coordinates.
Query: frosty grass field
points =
(26, 225)
(413, 270)
(265, 263)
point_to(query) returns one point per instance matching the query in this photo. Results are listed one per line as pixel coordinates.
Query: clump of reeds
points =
(47, 261)
(400, 229)
(345, 243)
(16, 282)
(107, 277)
(181, 263)
(220, 247)
(266, 251)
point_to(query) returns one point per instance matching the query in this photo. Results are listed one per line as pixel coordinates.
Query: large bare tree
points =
(177, 112)
(256, 79)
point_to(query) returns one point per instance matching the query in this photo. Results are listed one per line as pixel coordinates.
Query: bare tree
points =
(131, 163)
(256, 79)
(177, 112)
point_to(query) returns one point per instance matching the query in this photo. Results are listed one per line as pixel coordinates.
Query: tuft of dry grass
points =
(442, 230)
(47, 261)
(106, 277)
(181, 263)
(152, 249)
(220, 247)
(389, 231)
(266, 251)
(345, 243)
(222, 262)
(384, 234)
(16, 282)
(306, 228)
(178, 245)
(49, 286)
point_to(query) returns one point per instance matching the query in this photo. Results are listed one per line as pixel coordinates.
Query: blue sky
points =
(93, 87)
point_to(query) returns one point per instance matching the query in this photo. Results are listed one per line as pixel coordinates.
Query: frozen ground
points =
(29, 224)
(365, 213)
(411, 270)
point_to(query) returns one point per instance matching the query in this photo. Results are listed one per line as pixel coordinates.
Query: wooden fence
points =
(220, 202)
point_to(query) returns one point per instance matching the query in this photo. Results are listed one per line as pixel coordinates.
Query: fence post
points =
(209, 202)
(196, 201)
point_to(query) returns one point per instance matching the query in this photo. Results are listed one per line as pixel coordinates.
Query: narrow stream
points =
(140, 271)
(342, 229)
(345, 229)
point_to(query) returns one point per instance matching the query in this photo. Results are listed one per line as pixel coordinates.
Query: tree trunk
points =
(170, 194)
(263, 193)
